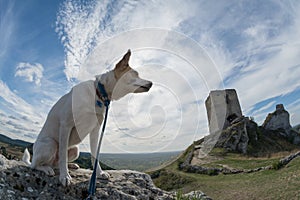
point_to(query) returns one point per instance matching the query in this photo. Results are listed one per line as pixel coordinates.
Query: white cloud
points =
(30, 72)
(294, 110)
(261, 113)
(253, 46)
(7, 26)
(16, 103)
(165, 119)
(82, 27)
(21, 118)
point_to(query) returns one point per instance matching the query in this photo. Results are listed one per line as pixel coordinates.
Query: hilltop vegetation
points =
(258, 174)
(297, 128)
(245, 163)
(276, 183)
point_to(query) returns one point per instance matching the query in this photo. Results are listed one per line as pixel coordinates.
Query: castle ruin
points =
(222, 108)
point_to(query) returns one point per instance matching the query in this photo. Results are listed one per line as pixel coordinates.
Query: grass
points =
(11, 151)
(240, 162)
(282, 183)
(271, 184)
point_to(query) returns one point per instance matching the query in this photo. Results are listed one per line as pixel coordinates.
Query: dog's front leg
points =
(64, 133)
(94, 139)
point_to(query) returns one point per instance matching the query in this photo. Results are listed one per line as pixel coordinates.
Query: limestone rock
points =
(236, 137)
(197, 195)
(18, 181)
(279, 119)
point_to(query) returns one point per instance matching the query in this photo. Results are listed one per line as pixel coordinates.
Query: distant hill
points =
(13, 149)
(133, 161)
(137, 161)
(16, 142)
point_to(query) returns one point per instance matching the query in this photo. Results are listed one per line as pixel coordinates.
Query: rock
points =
(287, 159)
(235, 132)
(18, 181)
(199, 195)
(279, 119)
(29, 189)
(236, 137)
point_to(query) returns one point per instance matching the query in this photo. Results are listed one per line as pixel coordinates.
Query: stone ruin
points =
(223, 109)
(231, 130)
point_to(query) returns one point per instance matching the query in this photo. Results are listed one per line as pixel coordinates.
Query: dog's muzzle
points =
(144, 88)
(147, 86)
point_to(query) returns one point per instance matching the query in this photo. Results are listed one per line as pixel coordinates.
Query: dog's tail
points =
(26, 157)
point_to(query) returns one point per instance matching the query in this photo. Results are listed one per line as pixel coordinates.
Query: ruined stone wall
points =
(222, 108)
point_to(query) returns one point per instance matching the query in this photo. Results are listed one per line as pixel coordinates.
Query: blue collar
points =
(102, 94)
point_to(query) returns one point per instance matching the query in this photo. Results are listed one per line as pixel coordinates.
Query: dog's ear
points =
(127, 56)
(123, 63)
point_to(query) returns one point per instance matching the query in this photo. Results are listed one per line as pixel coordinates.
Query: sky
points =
(186, 47)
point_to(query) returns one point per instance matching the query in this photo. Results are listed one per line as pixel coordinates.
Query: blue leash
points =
(92, 185)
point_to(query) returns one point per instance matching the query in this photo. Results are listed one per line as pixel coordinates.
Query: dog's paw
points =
(103, 175)
(65, 179)
(47, 170)
(50, 172)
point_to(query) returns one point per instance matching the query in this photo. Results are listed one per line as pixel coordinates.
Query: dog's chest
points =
(86, 113)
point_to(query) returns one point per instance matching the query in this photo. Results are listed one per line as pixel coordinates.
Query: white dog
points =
(77, 114)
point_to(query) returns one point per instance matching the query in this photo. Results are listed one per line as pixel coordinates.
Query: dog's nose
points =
(149, 85)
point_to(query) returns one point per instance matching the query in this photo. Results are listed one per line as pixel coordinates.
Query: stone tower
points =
(222, 108)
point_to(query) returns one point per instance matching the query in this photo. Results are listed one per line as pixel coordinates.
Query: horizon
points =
(187, 48)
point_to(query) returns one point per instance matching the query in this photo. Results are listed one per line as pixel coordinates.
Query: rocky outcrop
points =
(234, 132)
(279, 119)
(242, 135)
(199, 195)
(236, 137)
(286, 160)
(18, 181)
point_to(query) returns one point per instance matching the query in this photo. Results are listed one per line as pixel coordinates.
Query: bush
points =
(277, 165)
(155, 174)
(212, 172)
(168, 180)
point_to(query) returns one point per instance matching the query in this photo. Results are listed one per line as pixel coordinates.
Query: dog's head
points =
(128, 80)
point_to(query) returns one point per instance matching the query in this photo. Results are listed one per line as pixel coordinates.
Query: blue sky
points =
(187, 48)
